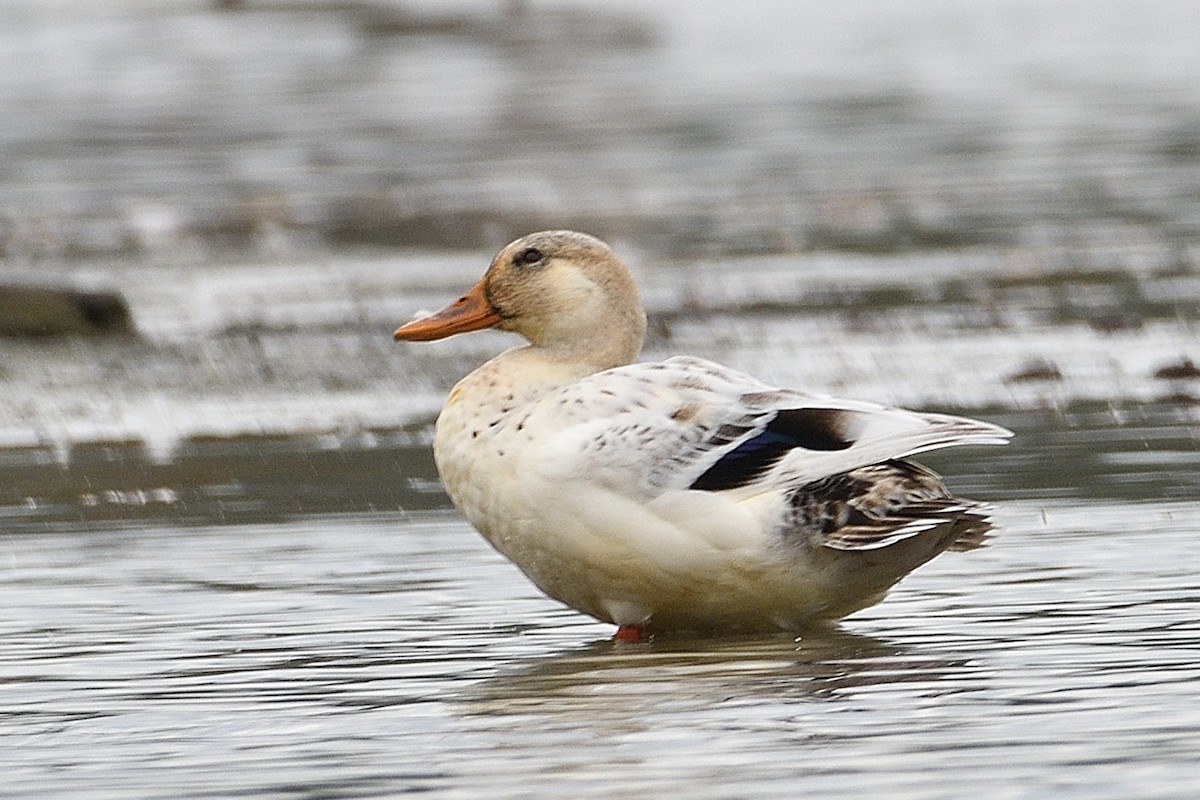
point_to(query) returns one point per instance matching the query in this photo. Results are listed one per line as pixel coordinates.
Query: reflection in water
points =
(604, 679)
(701, 715)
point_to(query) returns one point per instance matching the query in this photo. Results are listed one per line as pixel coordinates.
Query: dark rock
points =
(32, 310)
(1039, 369)
(1180, 370)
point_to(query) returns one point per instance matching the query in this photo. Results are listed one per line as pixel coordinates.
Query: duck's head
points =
(565, 292)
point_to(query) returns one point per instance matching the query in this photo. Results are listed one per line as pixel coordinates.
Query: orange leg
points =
(630, 633)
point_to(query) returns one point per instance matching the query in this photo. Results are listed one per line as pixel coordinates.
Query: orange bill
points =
(471, 312)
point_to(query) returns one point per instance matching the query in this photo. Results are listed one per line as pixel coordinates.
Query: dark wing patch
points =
(878, 505)
(807, 428)
(816, 428)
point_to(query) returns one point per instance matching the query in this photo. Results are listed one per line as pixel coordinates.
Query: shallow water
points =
(287, 653)
(362, 656)
(227, 567)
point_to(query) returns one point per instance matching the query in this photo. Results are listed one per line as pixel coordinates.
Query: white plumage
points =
(680, 495)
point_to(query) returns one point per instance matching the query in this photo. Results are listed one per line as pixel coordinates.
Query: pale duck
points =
(681, 495)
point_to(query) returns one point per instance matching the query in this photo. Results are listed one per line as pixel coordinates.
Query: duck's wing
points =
(876, 506)
(687, 423)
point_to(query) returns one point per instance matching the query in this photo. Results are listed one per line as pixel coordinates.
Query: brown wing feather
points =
(875, 506)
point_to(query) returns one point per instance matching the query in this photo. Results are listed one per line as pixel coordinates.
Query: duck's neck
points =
(530, 371)
(511, 380)
(606, 331)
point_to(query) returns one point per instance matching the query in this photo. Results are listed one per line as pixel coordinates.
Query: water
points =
(299, 649)
(155, 127)
(359, 657)
(227, 567)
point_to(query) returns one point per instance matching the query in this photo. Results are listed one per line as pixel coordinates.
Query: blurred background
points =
(228, 568)
(213, 214)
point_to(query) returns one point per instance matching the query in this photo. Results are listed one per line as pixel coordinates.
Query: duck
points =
(681, 495)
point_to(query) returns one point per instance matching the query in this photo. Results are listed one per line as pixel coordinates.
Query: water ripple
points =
(243, 660)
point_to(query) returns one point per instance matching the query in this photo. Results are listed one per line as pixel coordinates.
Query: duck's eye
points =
(529, 256)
